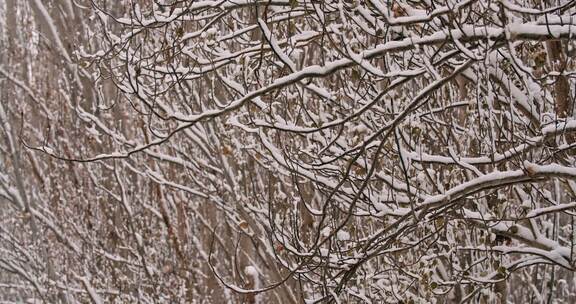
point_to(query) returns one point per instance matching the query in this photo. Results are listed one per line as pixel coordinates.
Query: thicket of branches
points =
(287, 151)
